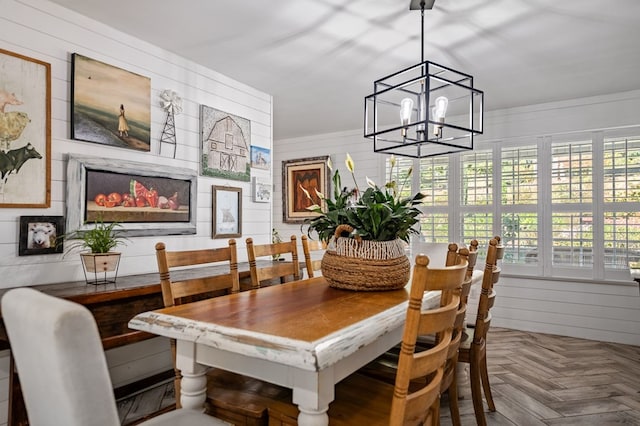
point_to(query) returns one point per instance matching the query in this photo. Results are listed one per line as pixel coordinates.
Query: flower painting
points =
(299, 177)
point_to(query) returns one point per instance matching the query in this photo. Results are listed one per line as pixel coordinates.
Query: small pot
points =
(100, 263)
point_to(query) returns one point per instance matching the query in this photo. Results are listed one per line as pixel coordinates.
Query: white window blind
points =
(566, 206)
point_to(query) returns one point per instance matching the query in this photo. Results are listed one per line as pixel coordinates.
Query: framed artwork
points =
(260, 158)
(144, 198)
(261, 191)
(227, 212)
(39, 234)
(110, 105)
(225, 140)
(308, 174)
(25, 131)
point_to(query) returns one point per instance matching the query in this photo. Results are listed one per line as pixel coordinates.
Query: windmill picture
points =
(172, 104)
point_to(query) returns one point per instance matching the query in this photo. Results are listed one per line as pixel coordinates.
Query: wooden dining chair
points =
(363, 400)
(230, 396)
(309, 246)
(474, 350)
(384, 367)
(63, 369)
(285, 271)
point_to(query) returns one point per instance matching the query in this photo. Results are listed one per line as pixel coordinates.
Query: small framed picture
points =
(260, 157)
(299, 178)
(39, 235)
(227, 212)
(261, 191)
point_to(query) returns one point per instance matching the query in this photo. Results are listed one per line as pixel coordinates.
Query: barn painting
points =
(25, 131)
(225, 145)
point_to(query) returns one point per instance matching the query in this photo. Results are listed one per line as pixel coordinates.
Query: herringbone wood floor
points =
(540, 379)
(536, 379)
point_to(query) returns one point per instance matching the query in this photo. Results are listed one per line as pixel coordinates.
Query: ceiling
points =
(319, 58)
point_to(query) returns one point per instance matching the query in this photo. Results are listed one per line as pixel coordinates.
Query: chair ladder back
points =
(487, 294)
(415, 407)
(452, 254)
(459, 323)
(173, 291)
(473, 257)
(200, 257)
(277, 270)
(165, 276)
(307, 247)
(500, 247)
(198, 286)
(465, 254)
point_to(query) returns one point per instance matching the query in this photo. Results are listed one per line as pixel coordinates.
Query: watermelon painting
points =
(116, 197)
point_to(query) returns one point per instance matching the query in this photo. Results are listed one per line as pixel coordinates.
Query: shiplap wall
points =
(336, 146)
(592, 310)
(48, 32)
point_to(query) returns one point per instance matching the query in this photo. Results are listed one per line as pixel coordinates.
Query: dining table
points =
(303, 335)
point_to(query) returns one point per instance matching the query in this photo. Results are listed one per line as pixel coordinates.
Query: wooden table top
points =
(304, 310)
(304, 323)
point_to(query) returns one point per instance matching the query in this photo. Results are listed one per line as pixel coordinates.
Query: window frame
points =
(544, 208)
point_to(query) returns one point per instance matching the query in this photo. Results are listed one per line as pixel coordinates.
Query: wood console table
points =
(112, 305)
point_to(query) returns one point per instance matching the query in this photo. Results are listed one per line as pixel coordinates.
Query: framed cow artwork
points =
(25, 131)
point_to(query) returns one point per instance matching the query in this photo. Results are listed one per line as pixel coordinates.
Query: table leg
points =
(193, 386)
(312, 393)
(313, 417)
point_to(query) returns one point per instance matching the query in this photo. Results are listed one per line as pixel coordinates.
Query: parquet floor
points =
(536, 379)
(540, 379)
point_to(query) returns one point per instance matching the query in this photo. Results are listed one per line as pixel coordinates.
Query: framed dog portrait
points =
(227, 212)
(39, 235)
(298, 176)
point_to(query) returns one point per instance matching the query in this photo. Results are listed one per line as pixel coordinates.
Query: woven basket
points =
(354, 264)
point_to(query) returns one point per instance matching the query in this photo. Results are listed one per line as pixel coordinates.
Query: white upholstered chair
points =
(62, 367)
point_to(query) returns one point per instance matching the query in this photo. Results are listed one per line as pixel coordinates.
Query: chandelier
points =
(424, 110)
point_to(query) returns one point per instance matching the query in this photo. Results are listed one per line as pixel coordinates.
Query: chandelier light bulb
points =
(406, 107)
(438, 112)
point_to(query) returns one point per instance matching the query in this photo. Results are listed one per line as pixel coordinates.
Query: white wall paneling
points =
(600, 311)
(51, 33)
(48, 32)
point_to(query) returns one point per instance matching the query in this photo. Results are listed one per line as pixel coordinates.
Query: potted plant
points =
(367, 232)
(99, 241)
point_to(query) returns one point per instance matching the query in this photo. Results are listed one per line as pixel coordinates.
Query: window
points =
(519, 203)
(621, 197)
(571, 173)
(564, 205)
(401, 175)
(519, 176)
(434, 184)
(571, 197)
(572, 234)
(477, 178)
